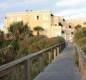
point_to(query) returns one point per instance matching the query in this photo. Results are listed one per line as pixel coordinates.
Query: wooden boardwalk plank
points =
(61, 68)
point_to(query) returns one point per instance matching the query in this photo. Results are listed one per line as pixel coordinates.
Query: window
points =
(36, 17)
(19, 18)
(84, 23)
(63, 19)
(45, 17)
(69, 26)
(55, 24)
(71, 32)
(60, 24)
(52, 15)
(63, 32)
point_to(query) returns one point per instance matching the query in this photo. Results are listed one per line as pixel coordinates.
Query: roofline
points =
(23, 12)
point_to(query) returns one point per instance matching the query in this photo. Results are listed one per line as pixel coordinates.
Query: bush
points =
(28, 43)
(6, 55)
(44, 43)
(15, 45)
(6, 43)
(28, 46)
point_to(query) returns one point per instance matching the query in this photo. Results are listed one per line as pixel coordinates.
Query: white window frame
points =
(45, 17)
(19, 18)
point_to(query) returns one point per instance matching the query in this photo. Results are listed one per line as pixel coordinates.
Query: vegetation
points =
(77, 27)
(1, 38)
(20, 42)
(80, 37)
(19, 30)
(38, 29)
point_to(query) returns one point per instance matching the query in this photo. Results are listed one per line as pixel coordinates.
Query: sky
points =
(70, 9)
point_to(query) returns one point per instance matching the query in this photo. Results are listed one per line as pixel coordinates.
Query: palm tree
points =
(77, 27)
(1, 35)
(19, 30)
(38, 29)
(1, 38)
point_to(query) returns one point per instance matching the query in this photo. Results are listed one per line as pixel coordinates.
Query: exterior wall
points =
(45, 20)
(67, 30)
(74, 23)
(56, 29)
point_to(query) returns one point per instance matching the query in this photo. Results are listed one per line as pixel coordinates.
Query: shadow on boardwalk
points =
(61, 68)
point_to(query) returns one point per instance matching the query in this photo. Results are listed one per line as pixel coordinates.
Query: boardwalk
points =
(61, 68)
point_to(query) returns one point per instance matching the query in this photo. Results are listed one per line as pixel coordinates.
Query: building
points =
(68, 27)
(67, 30)
(53, 25)
(44, 19)
(75, 22)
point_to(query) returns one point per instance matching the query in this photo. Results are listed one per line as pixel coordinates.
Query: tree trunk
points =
(38, 33)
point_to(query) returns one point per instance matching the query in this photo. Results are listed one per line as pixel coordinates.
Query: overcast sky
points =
(68, 8)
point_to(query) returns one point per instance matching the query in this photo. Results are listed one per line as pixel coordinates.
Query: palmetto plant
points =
(1, 35)
(38, 29)
(80, 37)
(77, 27)
(19, 30)
(1, 38)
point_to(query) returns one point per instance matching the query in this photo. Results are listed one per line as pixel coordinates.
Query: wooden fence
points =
(26, 61)
(81, 61)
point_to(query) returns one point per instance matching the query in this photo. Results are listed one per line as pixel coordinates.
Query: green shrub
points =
(15, 45)
(44, 43)
(25, 47)
(28, 41)
(6, 43)
(6, 55)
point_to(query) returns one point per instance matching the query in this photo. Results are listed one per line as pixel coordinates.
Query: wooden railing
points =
(81, 61)
(26, 61)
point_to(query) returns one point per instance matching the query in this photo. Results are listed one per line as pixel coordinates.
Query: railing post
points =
(50, 57)
(63, 45)
(57, 50)
(42, 62)
(54, 53)
(27, 69)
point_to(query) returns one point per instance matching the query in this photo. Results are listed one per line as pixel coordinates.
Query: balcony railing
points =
(26, 61)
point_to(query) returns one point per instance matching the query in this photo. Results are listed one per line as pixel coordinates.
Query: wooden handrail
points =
(81, 62)
(7, 68)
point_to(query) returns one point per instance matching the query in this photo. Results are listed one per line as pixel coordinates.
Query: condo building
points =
(53, 25)
(44, 19)
(75, 22)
